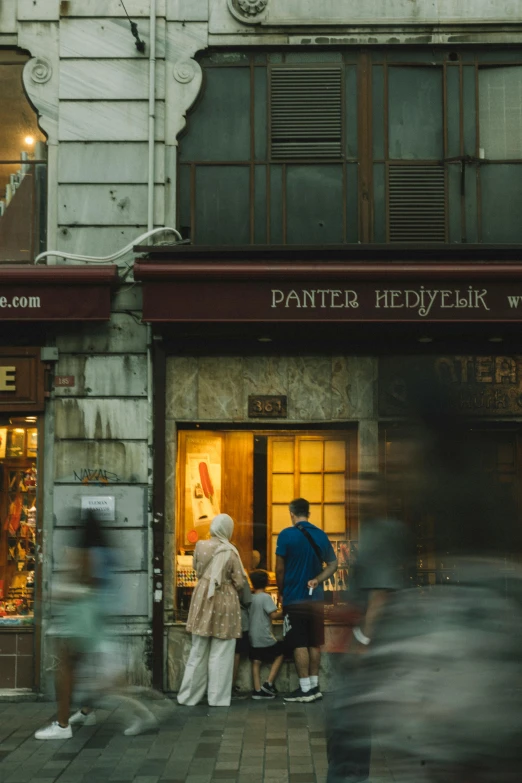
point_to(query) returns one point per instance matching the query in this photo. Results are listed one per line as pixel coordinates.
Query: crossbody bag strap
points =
(314, 546)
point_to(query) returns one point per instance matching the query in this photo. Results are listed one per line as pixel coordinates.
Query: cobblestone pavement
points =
(251, 742)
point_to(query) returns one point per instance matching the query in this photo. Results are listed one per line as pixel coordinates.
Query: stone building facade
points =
(113, 112)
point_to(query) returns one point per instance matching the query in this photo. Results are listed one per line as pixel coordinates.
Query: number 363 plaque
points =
(267, 406)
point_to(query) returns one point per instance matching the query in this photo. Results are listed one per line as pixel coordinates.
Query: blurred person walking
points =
(214, 618)
(79, 627)
(379, 572)
(301, 552)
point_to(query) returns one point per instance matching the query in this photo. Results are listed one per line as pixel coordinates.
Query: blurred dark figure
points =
(440, 681)
(79, 600)
(379, 572)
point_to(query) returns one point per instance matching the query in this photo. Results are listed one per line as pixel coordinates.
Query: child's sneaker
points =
(262, 695)
(269, 688)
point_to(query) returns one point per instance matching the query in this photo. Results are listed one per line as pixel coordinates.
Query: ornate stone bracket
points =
(248, 11)
(40, 76)
(183, 42)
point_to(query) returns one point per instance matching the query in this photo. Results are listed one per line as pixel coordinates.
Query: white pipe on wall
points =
(152, 114)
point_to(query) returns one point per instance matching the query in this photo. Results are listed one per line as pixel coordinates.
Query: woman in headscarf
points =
(214, 618)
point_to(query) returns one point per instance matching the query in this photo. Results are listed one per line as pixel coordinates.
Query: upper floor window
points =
(22, 167)
(326, 147)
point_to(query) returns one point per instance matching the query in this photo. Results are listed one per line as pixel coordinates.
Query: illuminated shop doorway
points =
(253, 475)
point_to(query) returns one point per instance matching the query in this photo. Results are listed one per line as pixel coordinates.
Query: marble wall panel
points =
(221, 389)
(114, 8)
(97, 462)
(8, 10)
(130, 548)
(106, 80)
(121, 335)
(131, 594)
(368, 451)
(265, 375)
(182, 388)
(38, 10)
(106, 205)
(96, 240)
(354, 381)
(171, 434)
(187, 10)
(108, 121)
(101, 418)
(103, 376)
(309, 388)
(130, 503)
(111, 162)
(95, 38)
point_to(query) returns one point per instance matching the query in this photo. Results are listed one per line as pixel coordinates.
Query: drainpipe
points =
(150, 226)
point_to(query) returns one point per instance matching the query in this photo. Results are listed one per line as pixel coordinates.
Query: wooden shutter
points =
(306, 112)
(416, 204)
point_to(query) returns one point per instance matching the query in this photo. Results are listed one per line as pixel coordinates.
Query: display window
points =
(253, 476)
(18, 510)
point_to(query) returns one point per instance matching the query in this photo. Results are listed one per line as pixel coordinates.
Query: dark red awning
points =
(56, 293)
(191, 288)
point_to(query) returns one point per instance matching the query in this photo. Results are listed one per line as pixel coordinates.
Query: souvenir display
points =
(18, 515)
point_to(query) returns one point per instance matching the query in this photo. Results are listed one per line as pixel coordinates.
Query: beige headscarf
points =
(221, 527)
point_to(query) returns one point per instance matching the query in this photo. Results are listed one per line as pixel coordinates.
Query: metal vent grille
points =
(417, 211)
(306, 113)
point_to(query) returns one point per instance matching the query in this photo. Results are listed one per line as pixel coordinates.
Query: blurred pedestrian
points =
(214, 618)
(301, 551)
(264, 646)
(79, 626)
(378, 572)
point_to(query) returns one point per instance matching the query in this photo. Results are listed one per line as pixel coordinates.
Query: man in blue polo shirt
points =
(300, 554)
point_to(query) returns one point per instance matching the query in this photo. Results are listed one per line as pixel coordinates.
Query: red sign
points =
(56, 293)
(331, 300)
(64, 380)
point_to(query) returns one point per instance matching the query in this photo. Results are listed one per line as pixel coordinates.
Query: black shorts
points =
(303, 625)
(266, 654)
(243, 644)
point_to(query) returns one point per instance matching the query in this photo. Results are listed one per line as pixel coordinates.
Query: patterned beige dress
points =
(219, 616)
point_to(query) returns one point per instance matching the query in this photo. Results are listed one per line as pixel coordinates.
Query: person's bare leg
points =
(237, 659)
(274, 671)
(64, 685)
(302, 662)
(256, 675)
(314, 655)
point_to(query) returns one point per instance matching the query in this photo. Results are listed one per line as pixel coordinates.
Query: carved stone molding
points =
(40, 70)
(248, 11)
(185, 70)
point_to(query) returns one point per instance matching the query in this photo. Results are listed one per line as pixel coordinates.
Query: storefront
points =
(282, 373)
(30, 299)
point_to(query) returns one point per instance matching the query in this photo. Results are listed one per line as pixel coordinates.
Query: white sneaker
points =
(140, 725)
(54, 732)
(80, 719)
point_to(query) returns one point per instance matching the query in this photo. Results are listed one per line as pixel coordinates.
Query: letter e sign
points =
(8, 379)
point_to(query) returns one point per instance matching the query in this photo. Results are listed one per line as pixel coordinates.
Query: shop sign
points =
(361, 301)
(475, 385)
(7, 378)
(103, 506)
(21, 380)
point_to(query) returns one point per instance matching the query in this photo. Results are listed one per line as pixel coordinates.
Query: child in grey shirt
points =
(264, 646)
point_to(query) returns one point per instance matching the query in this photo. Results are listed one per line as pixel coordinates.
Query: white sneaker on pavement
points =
(140, 725)
(81, 719)
(54, 732)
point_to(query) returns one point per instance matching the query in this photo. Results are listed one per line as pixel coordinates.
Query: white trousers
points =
(209, 668)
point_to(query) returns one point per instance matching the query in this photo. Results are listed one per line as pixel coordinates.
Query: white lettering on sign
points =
(8, 379)
(426, 299)
(315, 298)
